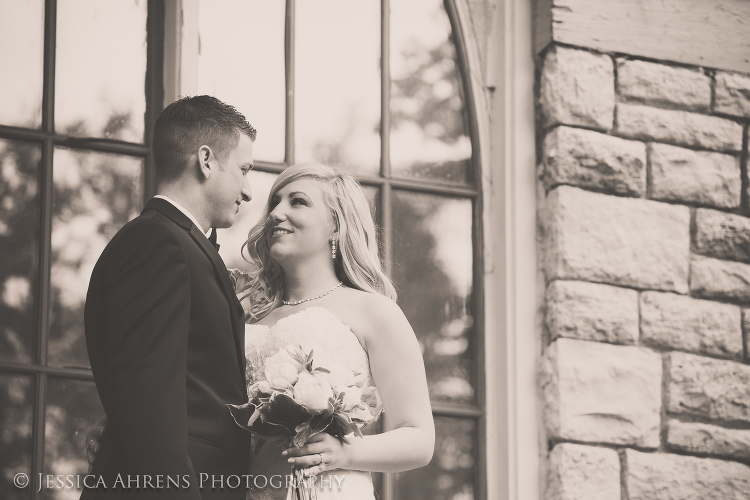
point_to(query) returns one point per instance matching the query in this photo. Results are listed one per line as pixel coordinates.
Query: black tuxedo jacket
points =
(165, 337)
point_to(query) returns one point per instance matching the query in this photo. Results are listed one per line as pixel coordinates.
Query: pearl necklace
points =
(295, 302)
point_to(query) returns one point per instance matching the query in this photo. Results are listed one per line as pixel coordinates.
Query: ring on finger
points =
(320, 456)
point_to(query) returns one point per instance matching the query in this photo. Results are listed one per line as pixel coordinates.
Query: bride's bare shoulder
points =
(370, 313)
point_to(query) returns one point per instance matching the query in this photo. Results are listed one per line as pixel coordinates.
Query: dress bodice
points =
(310, 328)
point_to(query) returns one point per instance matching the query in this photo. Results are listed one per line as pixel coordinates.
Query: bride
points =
(319, 283)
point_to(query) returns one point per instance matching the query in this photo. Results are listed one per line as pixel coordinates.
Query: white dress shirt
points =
(181, 209)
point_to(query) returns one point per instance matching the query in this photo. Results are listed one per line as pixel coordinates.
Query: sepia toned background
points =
(561, 188)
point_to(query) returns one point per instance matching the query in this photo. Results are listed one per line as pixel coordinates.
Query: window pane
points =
(429, 132)
(22, 28)
(241, 62)
(72, 408)
(432, 239)
(16, 403)
(94, 195)
(337, 84)
(19, 247)
(373, 198)
(101, 68)
(451, 474)
(232, 239)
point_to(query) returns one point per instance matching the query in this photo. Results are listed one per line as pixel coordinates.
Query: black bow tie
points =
(212, 239)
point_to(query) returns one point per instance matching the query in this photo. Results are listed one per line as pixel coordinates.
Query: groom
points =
(164, 329)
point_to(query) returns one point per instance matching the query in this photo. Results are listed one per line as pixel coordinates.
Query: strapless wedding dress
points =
(309, 328)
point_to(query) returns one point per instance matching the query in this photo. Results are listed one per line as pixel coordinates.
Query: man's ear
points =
(206, 161)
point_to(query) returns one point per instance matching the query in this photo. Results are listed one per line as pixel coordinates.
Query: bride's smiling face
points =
(300, 223)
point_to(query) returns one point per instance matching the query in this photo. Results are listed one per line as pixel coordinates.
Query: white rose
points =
(282, 370)
(338, 376)
(313, 392)
(361, 414)
(334, 373)
(264, 387)
(352, 397)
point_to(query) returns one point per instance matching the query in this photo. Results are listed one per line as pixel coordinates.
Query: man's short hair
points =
(190, 122)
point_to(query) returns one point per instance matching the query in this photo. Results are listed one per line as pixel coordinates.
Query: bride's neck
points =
(305, 281)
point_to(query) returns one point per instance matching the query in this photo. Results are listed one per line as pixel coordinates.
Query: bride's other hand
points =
(94, 440)
(322, 452)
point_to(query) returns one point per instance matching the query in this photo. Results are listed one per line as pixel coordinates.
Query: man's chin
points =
(226, 223)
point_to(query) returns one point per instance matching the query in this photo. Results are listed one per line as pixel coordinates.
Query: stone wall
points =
(646, 253)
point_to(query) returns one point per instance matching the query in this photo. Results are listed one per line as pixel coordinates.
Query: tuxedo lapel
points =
(200, 239)
(234, 303)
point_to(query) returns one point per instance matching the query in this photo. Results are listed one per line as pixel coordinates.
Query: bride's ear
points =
(335, 225)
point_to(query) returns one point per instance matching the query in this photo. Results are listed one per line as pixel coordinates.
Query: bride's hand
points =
(321, 452)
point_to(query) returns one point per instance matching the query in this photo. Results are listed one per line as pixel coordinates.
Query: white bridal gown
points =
(309, 328)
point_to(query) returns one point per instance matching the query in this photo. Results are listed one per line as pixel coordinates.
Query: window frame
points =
(169, 71)
(185, 37)
(48, 139)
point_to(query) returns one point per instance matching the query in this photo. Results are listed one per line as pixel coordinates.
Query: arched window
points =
(377, 88)
(373, 86)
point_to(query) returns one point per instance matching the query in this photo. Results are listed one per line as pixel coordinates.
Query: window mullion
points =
(37, 457)
(289, 40)
(386, 195)
(48, 92)
(45, 237)
(155, 28)
(385, 90)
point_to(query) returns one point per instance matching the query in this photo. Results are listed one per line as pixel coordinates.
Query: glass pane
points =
(16, 405)
(22, 28)
(232, 239)
(373, 198)
(241, 61)
(451, 474)
(337, 84)
(72, 408)
(429, 132)
(94, 195)
(19, 247)
(432, 254)
(101, 69)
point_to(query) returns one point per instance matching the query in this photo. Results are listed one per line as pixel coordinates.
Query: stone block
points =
(578, 472)
(589, 311)
(681, 128)
(661, 85)
(746, 331)
(621, 241)
(701, 177)
(702, 326)
(661, 476)
(577, 88)
(707, 439)
(720, 279)
(601, 393)
(722, 235)
(732, 94)
(593, 160)
(715, 389)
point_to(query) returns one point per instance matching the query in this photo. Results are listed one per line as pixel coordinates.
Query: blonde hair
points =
(357, 262)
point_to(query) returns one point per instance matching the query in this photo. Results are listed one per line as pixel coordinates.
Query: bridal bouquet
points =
(303, 394)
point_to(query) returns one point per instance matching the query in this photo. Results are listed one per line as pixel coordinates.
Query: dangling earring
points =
(333, 248)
